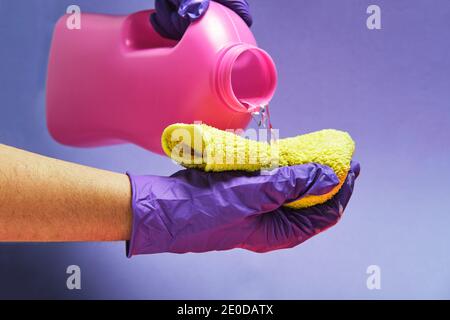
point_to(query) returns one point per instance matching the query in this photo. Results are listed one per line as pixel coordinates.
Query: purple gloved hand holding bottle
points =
(173, 17)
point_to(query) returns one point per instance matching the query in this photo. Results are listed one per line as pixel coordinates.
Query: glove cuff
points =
(149, 229)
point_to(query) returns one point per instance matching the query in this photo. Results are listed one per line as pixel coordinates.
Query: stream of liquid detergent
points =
(261, 115)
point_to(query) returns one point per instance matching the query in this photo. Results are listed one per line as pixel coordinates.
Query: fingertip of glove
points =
(310, 178)
(193, 10)
(322, 180)
(355, 167)
(316, 172)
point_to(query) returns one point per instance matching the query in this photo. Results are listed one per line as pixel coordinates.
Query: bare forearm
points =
(44, 199)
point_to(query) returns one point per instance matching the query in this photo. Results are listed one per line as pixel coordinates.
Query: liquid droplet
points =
(261, 116)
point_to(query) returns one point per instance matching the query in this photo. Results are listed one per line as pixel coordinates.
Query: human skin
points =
(74, 202)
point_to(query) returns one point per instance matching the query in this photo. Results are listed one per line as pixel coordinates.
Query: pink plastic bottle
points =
(116, 80)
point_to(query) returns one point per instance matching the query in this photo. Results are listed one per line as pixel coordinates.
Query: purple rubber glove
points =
(173, 17)
(194, 211)
(287, 228)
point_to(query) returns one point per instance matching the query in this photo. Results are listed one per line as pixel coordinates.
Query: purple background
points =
(390, 89)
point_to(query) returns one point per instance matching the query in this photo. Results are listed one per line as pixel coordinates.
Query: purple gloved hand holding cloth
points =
(196, 211)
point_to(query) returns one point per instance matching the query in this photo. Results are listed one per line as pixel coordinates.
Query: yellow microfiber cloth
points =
(206, 148)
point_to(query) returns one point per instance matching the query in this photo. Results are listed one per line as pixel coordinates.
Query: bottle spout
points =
(247, 78)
